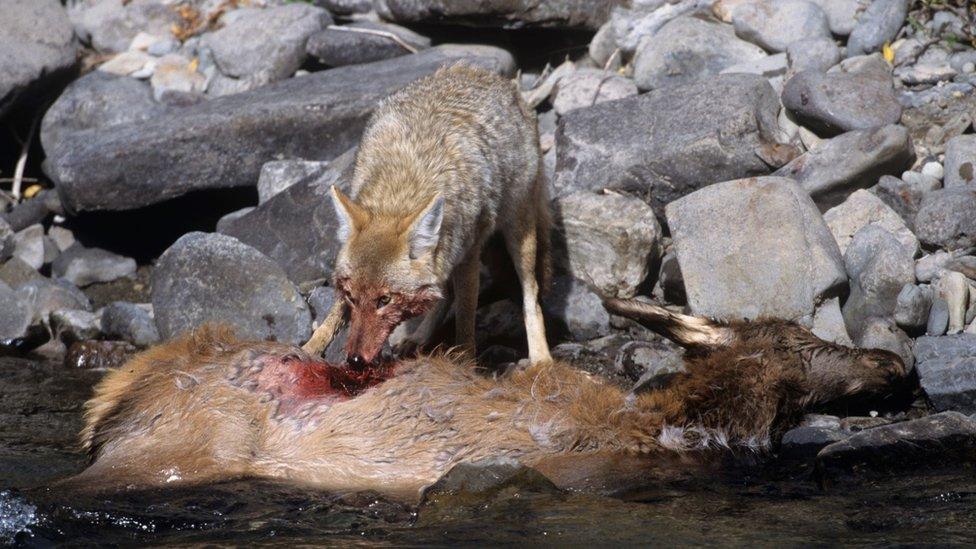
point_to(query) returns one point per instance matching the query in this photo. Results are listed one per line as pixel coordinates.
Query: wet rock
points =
(110, 25)
(883, 333)
(960, 161)
(98, 355)
(688, 49)
(904, 197)
(297, 227)
(877, 26)
(668, 143)
(841, 14)
(573, 311)
(860, 209)
(225, 141)
(947, 218)
(953, 288)
(805, 442)
(215, 278)
(833, 103)
(912, 306)
(879, 266)
(84, 266)
(16, 272)
(15, 314)
(130, 322)
(38, 48)
(264, 45)
(817, 54)
(754, 247)
(337, 47)
(29, 246)
(938, 321)
(610, 240)
(73, 325)
(278, 175)
(774, 25)
(45, 296)
(587, 87)
(828, 323)
(851, 161)
(507, 14)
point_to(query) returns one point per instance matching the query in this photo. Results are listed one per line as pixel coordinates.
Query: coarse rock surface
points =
(904, 197)
(587, 87)
(879, 265)
(841, 14)
(836, 102)
(960, 161)
(667, 143)
(278, 175)
(947, 371)
(947, 218)
(862, 208)
(84, 266)
(754, 247)
(687, 49)
(851, 161)
(215, 278)
(347, 45)
(38, 46)
(510, 14)
(45, 296)
(15, 314)
(877, 26)
(573, 311)
(775, 24)
(225, 141)
(129, 322)
(609, 240)
(111, 25)
(817, 54)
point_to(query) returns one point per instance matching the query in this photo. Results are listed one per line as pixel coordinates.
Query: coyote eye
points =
(383, 301)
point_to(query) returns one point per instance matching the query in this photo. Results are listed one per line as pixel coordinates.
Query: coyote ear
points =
(351, 216)
(425, 230)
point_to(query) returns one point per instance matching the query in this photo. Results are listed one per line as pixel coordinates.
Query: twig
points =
(610, 60)
(22, 161)
(374, 32)
(24, 179)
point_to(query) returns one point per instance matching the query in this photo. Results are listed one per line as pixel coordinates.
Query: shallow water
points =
(40, 406)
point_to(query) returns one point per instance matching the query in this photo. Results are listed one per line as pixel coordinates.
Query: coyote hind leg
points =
(521, 240)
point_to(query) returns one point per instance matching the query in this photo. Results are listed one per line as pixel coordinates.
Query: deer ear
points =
(425, 230)
(352, 217)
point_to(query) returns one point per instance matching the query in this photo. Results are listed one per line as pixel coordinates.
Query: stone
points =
(668, 143)
(877, 26)
(127, 63)
(912, 306)
(340, 46)
(74, 325)
(130, 322)
(508, 14)
(649, 362)
(754, 247)
(828, 323)
(499, 322)
(833, 103)
(85, 266)
(265, 45)
(841, 14)
(883, 333)
(816, 54)
(297, 227)
(953, 288)
(947, 218)
(933, 170)
(15, 315)
(6, 238)
(62, 237)
(29, 246)
(805, 442)
(879, 266)
(278, 175)
(225, 141)
(770, 66)
(39, 49)
(854, 160)
(774, 25)
(573, 311)
(110, 25)
(938, 321)
(46, 296)
(930, 266)
(862, 208)
(904, 197)
(688, 49)
(587, 87)
(603, 45)
(609, 240)
(215, 278)
(346, 7)
(960, 161)
(944, 439)
(15, 272)
(175, 74)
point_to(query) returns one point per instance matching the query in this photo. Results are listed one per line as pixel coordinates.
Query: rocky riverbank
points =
(804, 159)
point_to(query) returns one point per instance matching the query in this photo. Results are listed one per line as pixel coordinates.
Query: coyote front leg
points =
(326, 332)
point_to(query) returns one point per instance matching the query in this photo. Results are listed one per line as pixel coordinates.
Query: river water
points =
(40, 414)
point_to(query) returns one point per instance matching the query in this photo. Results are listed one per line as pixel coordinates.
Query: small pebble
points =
(969, 67)
(933, 169)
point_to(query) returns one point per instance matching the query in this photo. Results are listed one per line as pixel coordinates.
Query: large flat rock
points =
(223, 142)
(510, 14)
(947, 371)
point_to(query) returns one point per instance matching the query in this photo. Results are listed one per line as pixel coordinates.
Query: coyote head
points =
(384, 270)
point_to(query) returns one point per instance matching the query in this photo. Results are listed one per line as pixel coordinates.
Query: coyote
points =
(208, 407)
(442, 165)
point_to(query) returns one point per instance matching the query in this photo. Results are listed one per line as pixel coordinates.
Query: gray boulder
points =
(573, 311)
(15, 314)
(912, 306)
(45, 296)
(110, 25)
(947, 371)
(6, 240)
(879, 266)
(947, 218)
(346, 7)
(754, 247)
(259, 46)
(884, 333)
(841, 14)
(938, 322)
(960, 161)
(85, 266)
(205, 278)
(904, 197)
(863, 208)
(855, 160)
(609, 240)
(836, 102)
(878, 25)
(278, 175)
(775, 24)
(225, 141)
(817, 54)
(509, 14)
(15, 272)
(129, 322)
(38, 47)
(587, 87)
(346, 45)
(29, 245)
(667, 143)
(687, 49)
(953, 288)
